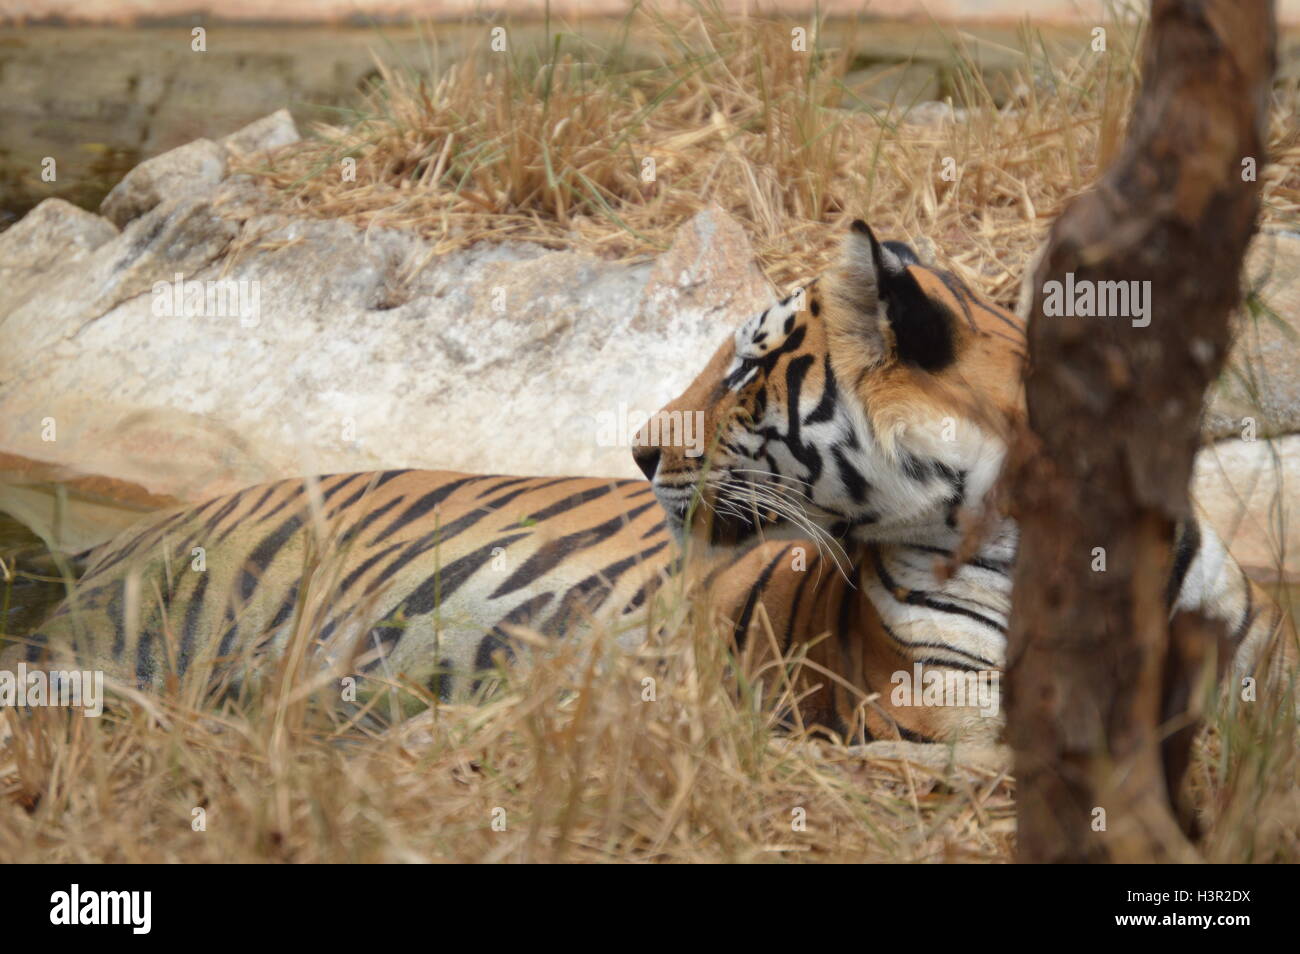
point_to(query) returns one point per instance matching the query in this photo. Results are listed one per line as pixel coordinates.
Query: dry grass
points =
(550, 147)
(568, 754)
(569, 761)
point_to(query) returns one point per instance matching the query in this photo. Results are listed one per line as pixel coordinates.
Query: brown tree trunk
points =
(1114, 410)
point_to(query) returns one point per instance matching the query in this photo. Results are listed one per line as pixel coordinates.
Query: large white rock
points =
(364, 349)
(1259, 392)
(1250, 491)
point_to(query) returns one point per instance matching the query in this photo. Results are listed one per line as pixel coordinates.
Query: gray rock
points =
(1260, 387)
(55, 232)
(351, 350)
(193, 168)
(1247, 490)
(263, 135)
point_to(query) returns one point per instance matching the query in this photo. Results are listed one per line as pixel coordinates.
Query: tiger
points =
(852, 428)
(880, 415)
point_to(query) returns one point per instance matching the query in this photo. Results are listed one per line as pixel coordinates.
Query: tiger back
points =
(409, 575)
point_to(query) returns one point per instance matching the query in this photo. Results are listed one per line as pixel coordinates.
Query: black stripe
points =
(592, 591)
(261, 557)
(426, 597)
(846, 626)
(228, 639)
(1248, 617)
(371, 517)
(347, 479)
(345, 504)
(825, 409)
(286, 608)
(144, 663)
(806, 454)
(934, 662)
(1002, 567)
(549, 555)
(193, 617)
(959, 292)
(350, 580)
(440, 536)
(36, 643)
(508, 482)
(423, 505)
(261, 502)
(794, 609)
(210, 525)
(158, 530)
(638, 599)
(741, 631)
(568, 503)
(982, 663)
(388, 475)
(1189, 542)
(1002, 317)
(853, 481)
(115, 610)
(293, 495)
(497, 639)
(923, 597)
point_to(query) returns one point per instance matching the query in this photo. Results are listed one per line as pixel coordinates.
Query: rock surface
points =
(55, 233)
(263, 135)
(348, 351)
(194, 167)
(1250, 491)
(1260, 388)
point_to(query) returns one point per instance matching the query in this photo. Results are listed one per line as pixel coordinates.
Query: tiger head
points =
(872, 405)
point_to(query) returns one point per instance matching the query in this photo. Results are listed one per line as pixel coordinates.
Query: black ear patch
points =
(924, 330)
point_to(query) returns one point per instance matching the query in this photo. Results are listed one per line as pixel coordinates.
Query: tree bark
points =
(1104, 466)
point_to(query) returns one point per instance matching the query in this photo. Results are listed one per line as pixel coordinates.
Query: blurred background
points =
(103, 84)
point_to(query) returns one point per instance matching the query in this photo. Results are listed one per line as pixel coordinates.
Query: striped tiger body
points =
(854, 432)
(418, 576)
(872, 410)
(423, 567)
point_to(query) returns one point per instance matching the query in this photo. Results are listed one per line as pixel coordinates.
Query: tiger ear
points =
(877, 278)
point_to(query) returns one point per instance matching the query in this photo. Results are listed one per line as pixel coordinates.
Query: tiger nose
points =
(647, 458)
